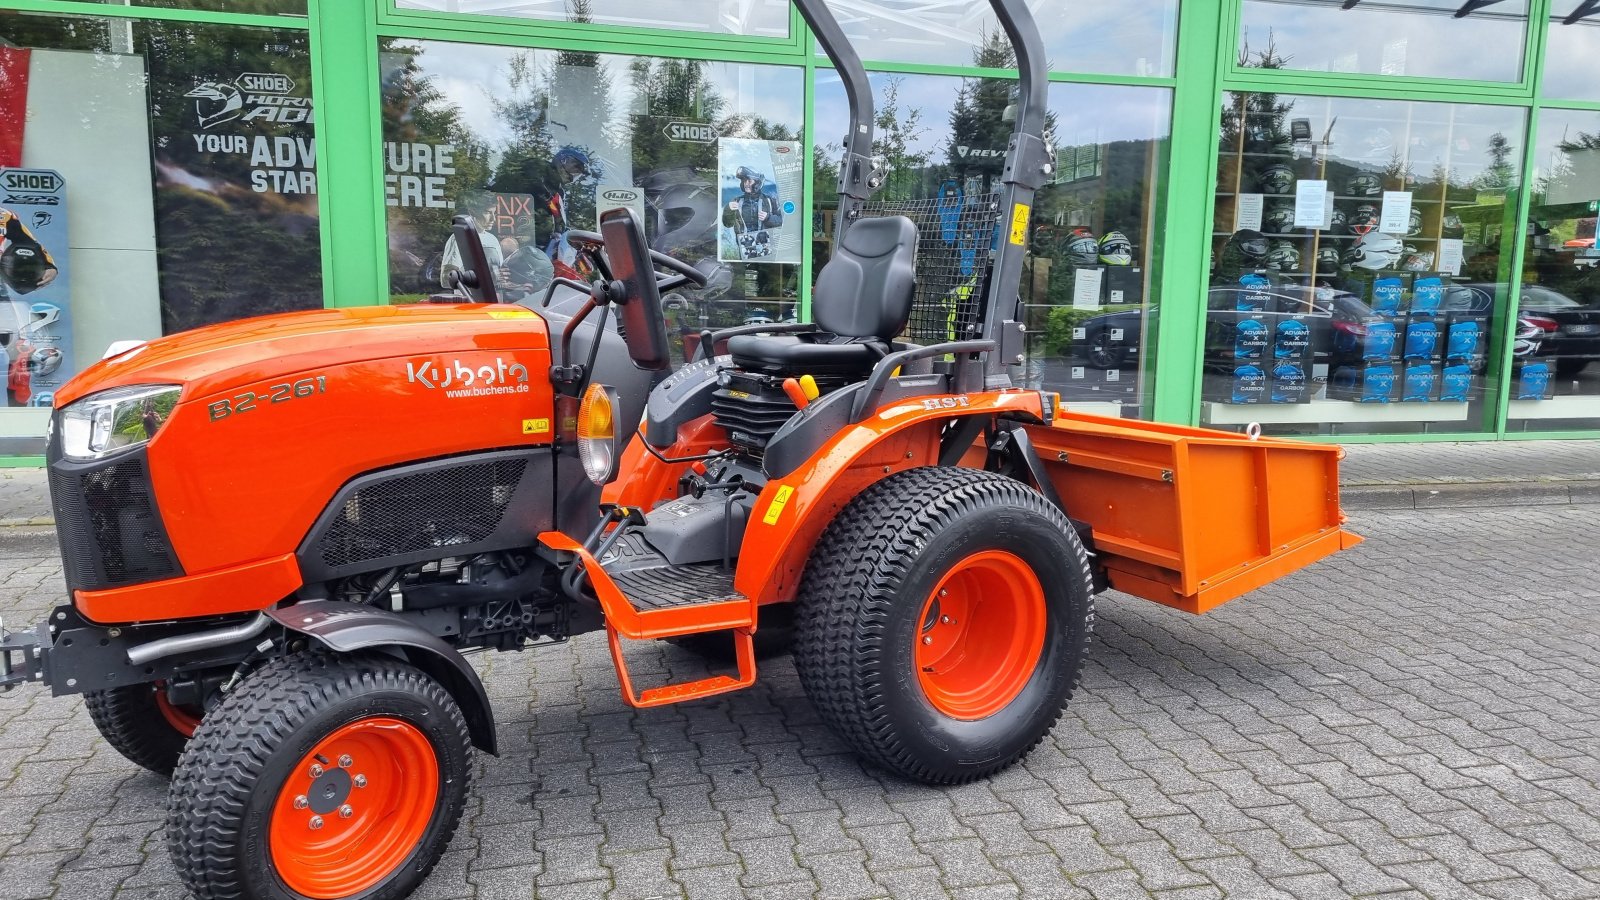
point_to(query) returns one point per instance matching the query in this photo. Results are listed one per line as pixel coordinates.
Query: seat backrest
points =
(866, 289)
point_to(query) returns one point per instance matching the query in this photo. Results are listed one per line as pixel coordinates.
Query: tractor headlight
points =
(597, 433)
(119, 419)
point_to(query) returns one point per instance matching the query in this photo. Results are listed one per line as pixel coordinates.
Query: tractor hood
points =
(218, 357)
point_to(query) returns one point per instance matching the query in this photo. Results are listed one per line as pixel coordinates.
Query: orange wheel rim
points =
(982, 630)
(180, 718)
(354, 809)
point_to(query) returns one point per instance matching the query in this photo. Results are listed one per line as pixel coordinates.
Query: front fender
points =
(349, 627)
(792, 511)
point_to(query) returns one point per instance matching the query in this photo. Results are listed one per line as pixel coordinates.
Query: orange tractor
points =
(281, 535)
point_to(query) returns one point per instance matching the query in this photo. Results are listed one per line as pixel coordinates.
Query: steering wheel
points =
(591, 244)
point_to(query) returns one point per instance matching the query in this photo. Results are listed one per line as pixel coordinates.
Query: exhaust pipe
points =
(200, 640)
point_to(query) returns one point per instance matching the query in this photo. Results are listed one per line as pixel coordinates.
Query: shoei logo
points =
(462, 380)
(251, 96)
(690, 132)
(31, 187)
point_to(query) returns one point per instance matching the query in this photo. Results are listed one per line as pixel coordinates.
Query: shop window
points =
(755, 18)
(158, 176)
(1359, 271)
(1088, 288)
(534, 143)
(1571, 65)
(1114, 39)
(1480, 40)
(1556, 378)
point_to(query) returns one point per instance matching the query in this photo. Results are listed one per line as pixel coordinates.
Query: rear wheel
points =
(321, 777)
(942, 622)
(140, 723)
(1104, 353)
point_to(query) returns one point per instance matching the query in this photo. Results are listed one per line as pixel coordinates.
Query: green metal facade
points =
(344, 38)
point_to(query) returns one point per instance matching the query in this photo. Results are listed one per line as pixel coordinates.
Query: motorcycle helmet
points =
(1280, 218)
(572, 161)
(748, 174)
(1116, 249)
(1083, 249)
(1364, 184)
(1365, 218)
(1284, 256)
(44, 362)
(682, 208)
(1418, 260)
(1276, 179)
(1375, 251)
(1253, 246)
(1414, 223)
(1452, 227)
(1339, 221)
(1328, 261)
(23, 265)
(41, 316)
(1260, 139)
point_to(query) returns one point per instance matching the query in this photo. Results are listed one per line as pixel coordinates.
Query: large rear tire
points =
(320, 777)
(942, 622)
(141, 724)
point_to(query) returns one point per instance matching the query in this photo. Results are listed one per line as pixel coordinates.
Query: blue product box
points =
(1462, 337)
(1250, 339)
(1255, 293)
(1380, 340)
(1363, 384)
(1427, 294)
(1249, 384)
(1421, 383)
(1455, 383)
(1532, 381)
(1292, 341)
(1387, 293)
(1289, 384)
(1422, 338)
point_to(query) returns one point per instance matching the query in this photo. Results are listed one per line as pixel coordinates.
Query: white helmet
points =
(1375, 250)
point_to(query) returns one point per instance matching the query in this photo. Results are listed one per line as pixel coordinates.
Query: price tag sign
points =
(1247, 214)
(1086, 288)
(1310, 204)
(1396, 216)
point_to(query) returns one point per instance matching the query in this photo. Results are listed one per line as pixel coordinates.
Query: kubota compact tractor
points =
(281, 535)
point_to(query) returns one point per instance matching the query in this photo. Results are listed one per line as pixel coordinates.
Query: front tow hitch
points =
(21, 656)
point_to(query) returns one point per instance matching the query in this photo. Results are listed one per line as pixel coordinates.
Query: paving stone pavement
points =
(1415, 718)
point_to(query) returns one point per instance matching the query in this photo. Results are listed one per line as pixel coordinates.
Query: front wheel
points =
(144, 726)
(320, 777)
(942, 622)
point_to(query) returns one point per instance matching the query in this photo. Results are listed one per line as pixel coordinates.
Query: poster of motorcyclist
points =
(761, 186)
(35, 325)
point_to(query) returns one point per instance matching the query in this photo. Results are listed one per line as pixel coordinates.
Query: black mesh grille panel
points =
(443, 507)
(955, 240)
(111, 534)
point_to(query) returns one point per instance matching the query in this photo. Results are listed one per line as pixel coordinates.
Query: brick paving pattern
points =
(1415, 718)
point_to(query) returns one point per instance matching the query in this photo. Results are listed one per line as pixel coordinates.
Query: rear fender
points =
(350, 627)
(792, 511)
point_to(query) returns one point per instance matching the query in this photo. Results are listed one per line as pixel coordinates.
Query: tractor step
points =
(647, 602)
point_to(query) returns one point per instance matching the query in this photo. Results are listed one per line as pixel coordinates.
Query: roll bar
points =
(1030, 163)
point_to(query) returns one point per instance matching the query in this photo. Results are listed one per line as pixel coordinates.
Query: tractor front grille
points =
(108, 524)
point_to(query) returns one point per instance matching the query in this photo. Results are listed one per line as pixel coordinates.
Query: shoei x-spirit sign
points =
(35, 315)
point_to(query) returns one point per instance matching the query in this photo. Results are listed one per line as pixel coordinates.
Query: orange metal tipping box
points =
(1193, 518)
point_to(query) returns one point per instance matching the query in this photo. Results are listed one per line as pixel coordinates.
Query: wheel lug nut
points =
(360, 781)
(346, 811)
(316, 771)
(943, 592)
(301, 802)
(928, 639)
(944, 620)
(316, 822)
(345, 761)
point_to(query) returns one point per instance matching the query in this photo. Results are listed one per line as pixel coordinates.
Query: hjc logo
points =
(456, 373)
(960, 402)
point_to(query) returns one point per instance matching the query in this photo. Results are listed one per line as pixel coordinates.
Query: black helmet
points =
(1328, 259)
(1364, 184)
(1365, 218)
(1280, 218)
(1276, 179)
(1083, 248)
(1252, 245)
(1414, 223)
(1284, 256)
(748, 174)
(23, 265)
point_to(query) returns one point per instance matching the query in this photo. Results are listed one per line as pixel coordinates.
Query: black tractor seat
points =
(861, 302)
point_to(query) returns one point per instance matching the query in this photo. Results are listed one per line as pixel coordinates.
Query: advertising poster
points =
(761, 186)
(35, 317)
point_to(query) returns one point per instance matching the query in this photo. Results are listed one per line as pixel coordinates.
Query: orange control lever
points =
(791, 386)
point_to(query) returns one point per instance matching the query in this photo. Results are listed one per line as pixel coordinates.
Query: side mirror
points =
(476, 278)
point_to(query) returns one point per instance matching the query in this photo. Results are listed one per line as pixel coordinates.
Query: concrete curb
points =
(1466, 495)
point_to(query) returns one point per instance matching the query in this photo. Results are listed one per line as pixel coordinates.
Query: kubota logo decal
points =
(458, 379)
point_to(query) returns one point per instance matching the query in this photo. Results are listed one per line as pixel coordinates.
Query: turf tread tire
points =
(212, 787)
(131, 722)
(847, 593)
